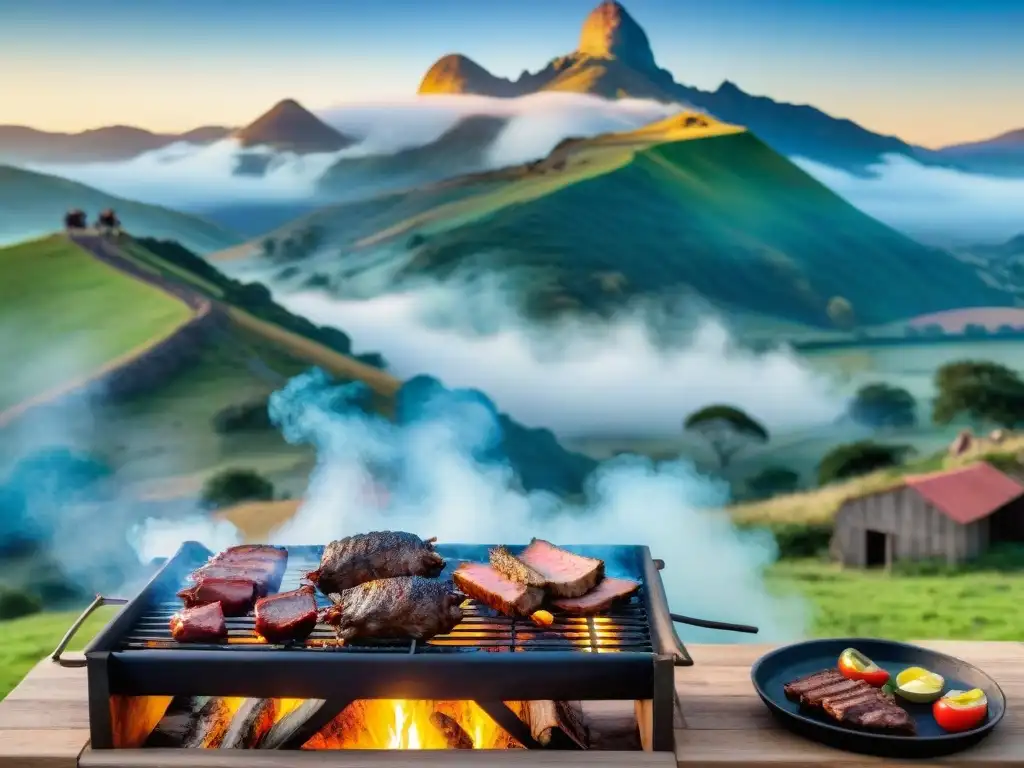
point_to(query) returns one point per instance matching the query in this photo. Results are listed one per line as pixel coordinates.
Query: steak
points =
(511, 567)
(404, 606)
(250, 552)
(798, 687)
(263, 565)
(485, 584)
(236, 596)
(204, 624)
(567, 574)
(366, 557)
(600, 598)
(881, 715)
(815, 696)
(288, 617)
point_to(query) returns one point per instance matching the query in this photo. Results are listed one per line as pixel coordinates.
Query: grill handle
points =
(99, 602)
(725, 626)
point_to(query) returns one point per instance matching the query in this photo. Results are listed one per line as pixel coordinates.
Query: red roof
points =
(966, 494)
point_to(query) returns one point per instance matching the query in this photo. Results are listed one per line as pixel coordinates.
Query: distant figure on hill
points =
(962, 443)
(74, 219)
(108, 223)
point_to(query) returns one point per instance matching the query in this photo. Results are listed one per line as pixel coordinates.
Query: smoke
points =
(935, 205)
(577, 378)
(195, 177)
(440, 483)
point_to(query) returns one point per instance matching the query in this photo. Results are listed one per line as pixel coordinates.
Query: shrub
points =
(860, 458)
(772, 481)
(243, 417)
(233, 486)
(883, 405)
(14, 604)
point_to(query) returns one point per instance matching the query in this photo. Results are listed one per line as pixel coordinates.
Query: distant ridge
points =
(614, 60)
(288, 126)
(21, 144)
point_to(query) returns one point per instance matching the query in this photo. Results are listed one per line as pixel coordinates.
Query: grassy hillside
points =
(687, 205)
(111, 316)
(33, 204)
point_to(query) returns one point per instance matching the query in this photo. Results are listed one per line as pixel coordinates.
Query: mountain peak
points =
(609, 32)
(291, 127)
(455, 73)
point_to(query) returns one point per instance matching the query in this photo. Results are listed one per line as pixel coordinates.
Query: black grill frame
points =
(642, 670)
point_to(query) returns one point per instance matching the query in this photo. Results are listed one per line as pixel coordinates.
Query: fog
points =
(577, 378)
(437, 488)
(935, 205)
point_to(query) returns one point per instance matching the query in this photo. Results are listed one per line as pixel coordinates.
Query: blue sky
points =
(932, 72)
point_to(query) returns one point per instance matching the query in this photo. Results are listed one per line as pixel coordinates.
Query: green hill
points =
(688, 205)
(33, 204)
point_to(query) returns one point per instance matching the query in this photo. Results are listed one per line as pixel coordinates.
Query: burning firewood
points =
(250, 724)
(178, 721)
(209, 725)
(453, 733)
(550, 719)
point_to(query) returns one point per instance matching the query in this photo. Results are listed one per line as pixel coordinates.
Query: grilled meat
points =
(236, 596)
(511, 567)
(567, 574)
(851, 702)
(263, 565)
(798, 687)
(404, 606)
(485, 584)
(600, 598)
(288, 617)
(204, 624)
(365, 557)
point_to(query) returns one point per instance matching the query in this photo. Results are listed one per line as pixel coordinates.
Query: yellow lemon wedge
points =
(919, 685)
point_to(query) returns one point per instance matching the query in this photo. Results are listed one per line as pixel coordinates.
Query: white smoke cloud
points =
(935, 205)
(193, 177)
(578, 379)
(438, 489)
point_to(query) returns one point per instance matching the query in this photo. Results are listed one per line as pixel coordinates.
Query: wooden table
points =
(44, 724)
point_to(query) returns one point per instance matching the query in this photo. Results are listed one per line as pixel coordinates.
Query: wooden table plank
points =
(728, 726)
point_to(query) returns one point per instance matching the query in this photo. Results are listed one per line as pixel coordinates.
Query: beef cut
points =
(484, 584)
(797, 688)
(204, 624)
(263, 565)
(600, 598)
(404, 606)
(288, 617)
(365, 557)
(236, 596)
(851, 702)
(566, 574)
(511, 567)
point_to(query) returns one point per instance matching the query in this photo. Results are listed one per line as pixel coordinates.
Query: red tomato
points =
(961, 710)
(854, 665)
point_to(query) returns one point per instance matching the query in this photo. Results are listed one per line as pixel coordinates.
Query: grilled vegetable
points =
(918, 685)
(961, 710)
(854, 665)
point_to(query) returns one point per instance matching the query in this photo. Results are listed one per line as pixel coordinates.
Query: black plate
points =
(784, 665)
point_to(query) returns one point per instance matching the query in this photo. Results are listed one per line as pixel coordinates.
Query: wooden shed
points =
(954, 515)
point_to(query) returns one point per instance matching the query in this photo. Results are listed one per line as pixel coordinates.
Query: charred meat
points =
(600, 598)
(484, 584)
(288, 617)
(511, 567)
(204, 624)
(566, 574)
(405, 606)
(851, 702)
(263, 565)
(366, 557)
(236, 596)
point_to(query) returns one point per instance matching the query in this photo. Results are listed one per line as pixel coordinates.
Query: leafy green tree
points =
(772, 481)
(860, 458)
(269, 247)
(727, 430)
(980, 390)
(883, 405)
(233, 486)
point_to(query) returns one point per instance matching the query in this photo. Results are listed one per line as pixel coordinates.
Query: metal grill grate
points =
(626, 628)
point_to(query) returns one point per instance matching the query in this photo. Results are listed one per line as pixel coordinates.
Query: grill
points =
(627, 653)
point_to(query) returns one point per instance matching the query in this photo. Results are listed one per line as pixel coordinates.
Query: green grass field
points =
(983, 605)
(66, 314)
(25, 642)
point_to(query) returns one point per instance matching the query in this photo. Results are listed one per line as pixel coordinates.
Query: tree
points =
(269, 247)
(860, 458)
(772, 481)
(975, 329)
(840, 312)
(233, 486)
(883, 405)
(727, 430)
(980, 390)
